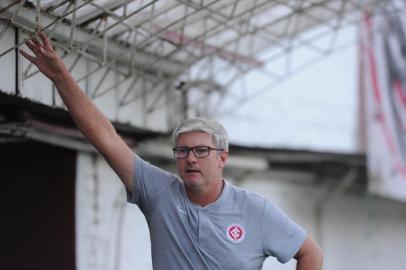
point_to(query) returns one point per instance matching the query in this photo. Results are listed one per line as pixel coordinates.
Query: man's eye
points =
(201, 150)
(182, 151)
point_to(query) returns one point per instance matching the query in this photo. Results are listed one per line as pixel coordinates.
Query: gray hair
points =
(200, 124)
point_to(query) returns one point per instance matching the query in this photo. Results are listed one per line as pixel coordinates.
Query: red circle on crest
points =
(235, 232)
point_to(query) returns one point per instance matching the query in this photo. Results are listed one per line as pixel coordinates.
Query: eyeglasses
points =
(198, 151)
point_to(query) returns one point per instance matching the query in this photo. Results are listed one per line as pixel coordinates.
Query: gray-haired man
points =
(199, 221)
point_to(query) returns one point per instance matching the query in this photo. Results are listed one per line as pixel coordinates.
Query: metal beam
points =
(114, 51)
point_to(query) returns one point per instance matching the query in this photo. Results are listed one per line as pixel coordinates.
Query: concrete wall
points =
(110, 233)
(355, 231)
(7, 62)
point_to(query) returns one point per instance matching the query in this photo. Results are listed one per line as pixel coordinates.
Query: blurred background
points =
(312, 94)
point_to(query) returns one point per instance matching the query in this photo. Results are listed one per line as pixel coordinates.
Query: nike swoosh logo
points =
(181, 210)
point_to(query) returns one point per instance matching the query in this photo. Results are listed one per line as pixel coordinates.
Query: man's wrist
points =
(62, 79)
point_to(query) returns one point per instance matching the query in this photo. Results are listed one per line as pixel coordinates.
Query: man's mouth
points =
(192, 171)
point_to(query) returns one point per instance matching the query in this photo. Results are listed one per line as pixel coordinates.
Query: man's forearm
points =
(97, 129)
(89, 119)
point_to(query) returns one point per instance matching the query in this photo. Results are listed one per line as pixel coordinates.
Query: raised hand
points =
(45, 57)
(90, 120)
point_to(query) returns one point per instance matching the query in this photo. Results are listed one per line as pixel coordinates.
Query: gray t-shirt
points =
(237, 231)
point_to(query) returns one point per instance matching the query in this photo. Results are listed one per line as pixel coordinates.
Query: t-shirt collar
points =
(217, 202)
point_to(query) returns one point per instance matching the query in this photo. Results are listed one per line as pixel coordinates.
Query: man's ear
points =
(223, 159)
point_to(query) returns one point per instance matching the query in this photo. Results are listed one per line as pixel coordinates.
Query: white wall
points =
(7, 62)
(111, 234)
(355, 231)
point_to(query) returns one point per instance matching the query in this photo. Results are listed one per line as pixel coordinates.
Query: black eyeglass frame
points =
(193, 149)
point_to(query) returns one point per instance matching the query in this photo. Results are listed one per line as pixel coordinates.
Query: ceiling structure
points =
(200, 49)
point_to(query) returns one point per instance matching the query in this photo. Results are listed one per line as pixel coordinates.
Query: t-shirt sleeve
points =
(149, 182)
(282, 237)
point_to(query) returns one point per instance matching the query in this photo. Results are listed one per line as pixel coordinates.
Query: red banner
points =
(383, 74)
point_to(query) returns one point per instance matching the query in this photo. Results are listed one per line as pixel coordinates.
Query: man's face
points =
(200, 173)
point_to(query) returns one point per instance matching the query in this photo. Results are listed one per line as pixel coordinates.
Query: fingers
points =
(33, 47)
(36, 42)
(39, 48)
(46, 53)
(26, 55)
(45, 41)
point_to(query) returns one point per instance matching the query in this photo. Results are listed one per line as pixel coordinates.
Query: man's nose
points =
(191, 156)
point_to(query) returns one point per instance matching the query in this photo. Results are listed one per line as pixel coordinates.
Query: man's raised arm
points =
(90, 120)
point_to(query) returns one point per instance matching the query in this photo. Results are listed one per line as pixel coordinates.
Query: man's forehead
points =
(194, 132)
(195, 135)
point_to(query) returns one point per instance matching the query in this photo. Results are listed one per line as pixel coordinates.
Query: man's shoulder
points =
(244, 196)
(145, 165)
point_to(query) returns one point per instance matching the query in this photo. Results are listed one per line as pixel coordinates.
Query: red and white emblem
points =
(235, 233)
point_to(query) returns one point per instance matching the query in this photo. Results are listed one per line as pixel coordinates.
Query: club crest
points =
(235, 233)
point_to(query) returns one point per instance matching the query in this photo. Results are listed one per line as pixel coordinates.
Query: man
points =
(200, 221)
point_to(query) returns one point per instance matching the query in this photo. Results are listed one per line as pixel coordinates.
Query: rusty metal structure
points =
(192, 51)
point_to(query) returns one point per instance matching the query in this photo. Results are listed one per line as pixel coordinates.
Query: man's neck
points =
(205, 197)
